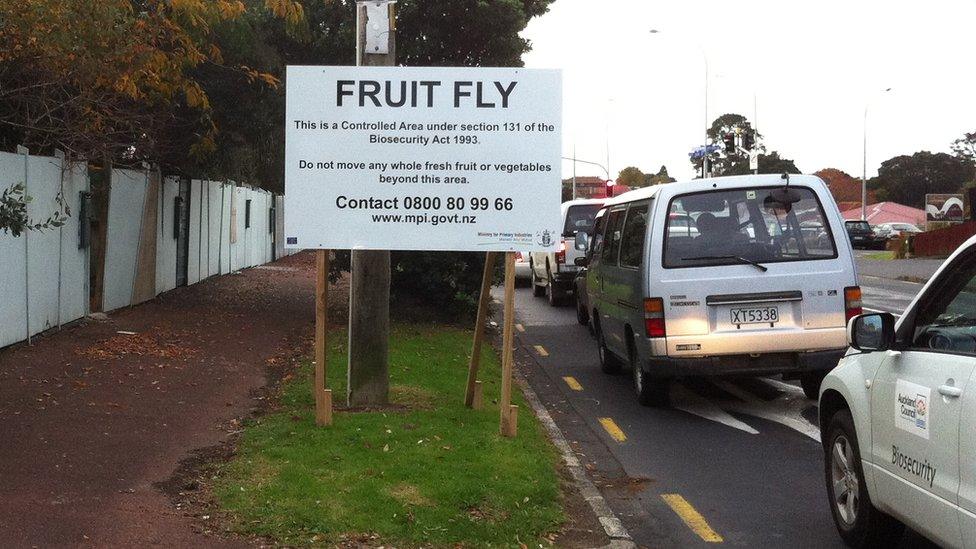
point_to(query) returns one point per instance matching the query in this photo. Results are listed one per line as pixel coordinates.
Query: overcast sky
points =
(811, 66)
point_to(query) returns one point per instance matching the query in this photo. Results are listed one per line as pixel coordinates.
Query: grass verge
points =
(427, 471)
(880, 256)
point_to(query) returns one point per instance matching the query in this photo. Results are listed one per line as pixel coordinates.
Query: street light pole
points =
(864, 167)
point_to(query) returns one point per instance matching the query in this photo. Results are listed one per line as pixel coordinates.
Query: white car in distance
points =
(898, 417)
(553, 273)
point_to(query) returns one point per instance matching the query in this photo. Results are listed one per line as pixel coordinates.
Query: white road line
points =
(788, 416)
(687, 401)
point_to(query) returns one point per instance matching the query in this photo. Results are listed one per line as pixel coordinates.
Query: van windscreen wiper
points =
(740, 259)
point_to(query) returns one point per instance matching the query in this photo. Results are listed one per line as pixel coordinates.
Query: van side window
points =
(611, 239)
(632, 241)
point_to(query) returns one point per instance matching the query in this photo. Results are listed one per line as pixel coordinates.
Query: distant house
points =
(590, 187)
(889, 212)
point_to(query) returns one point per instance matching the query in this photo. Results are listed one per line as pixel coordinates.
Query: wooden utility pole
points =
(369, 299)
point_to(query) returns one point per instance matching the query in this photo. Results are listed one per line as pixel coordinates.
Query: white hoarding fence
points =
(422, 158)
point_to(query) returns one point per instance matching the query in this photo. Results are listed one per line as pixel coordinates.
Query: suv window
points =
(746, 224)
(947, 322)
(858, 226)
(601, 223)
(611, 239)
(580, 218)
(632, 240)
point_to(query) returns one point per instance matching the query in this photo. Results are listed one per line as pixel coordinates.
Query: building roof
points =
(889, 212)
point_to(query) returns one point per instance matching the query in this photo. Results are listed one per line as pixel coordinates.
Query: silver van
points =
(746, 275)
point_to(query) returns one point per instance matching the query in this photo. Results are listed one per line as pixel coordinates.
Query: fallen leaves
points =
(157, 343)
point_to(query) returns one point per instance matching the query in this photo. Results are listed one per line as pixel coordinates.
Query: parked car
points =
(887, 231)
(748, 294)
(863, 236)
(586, 244)
(553, 272)
(898, 413)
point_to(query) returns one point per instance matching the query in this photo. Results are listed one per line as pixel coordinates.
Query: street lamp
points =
(864, 178)
(575, 160)
(705, 169)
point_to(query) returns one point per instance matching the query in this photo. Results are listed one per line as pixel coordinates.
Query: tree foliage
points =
(117, 78)
(631, 176)
(845, 188)
(721, 162)
(907, 179)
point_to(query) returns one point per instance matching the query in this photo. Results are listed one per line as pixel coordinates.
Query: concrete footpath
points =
(93, 419)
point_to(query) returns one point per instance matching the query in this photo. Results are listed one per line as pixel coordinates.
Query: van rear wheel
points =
(651, 391)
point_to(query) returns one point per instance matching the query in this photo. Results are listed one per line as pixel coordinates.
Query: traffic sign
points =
(406, 158)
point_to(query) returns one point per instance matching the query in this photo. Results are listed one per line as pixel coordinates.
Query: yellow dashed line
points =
(615, 432)
(541, 350)
(573, 384)
(692, 518)
(520, 328)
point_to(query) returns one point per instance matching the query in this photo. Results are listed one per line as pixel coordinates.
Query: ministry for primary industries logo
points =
(912, 408)
(544, 238)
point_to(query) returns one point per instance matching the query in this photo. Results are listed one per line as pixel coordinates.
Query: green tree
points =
(632, 177)
(768, 163)
(721, 162)
(907, 179)
(965, 148)
(659, 178)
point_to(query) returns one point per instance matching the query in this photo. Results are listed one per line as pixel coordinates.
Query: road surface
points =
(734, 460)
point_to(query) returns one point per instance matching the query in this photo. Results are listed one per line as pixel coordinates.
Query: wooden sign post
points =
(473, 397)
(323, 396)
(508, 421)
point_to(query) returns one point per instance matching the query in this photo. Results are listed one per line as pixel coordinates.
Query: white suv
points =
(553, 273)
(898, 417)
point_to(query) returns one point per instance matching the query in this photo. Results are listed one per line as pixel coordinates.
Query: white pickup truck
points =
(553, 272)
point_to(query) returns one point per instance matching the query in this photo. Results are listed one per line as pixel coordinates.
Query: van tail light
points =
(654, 317)
(561, 253)
(852, 302)
(518, 256)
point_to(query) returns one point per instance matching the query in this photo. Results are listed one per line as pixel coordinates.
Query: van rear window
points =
(735, 226)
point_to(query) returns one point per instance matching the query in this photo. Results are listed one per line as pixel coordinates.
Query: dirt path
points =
(91, 419)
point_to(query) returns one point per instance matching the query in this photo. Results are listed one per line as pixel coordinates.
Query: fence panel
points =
(195, 254)
(13, 262)
(74, 258)
(166, 241)
(125, 214)
(44, 246)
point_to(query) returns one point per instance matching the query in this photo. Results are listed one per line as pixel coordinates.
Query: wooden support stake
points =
(479, 331)
(507, 425)
(478, 399)
(323, 396)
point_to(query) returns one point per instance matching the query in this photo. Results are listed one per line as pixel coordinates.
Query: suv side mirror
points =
(582, 240)
(581, 261)
(872, 332)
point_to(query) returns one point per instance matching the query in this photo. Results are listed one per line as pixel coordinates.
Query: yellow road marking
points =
(692, 518)
(573, 384)
(615, 432)
(541, 350)
(520, 328)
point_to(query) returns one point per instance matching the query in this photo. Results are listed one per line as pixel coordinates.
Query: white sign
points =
(401, 158)
(912, 411)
